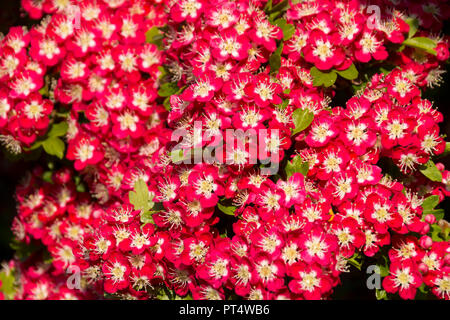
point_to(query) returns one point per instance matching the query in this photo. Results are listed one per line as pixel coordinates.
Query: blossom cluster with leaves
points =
(112, 95)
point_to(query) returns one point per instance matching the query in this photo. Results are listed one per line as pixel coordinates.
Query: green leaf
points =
(177, 156)
(302, 118)
(439, 213)
(54, 146)
(430, 203)
(288, 29)
(430, 171)
(275, 59)
(23, 250)
(446, 234)
(435, 231)
(281, 6)
(80, 187)
(47, 257)
(320, 78)
(165, 294)
(350, 73)
(167, 89)
(47, 176)
(422, 43)
(228, 210)
(146, 217)
(413, 26)
(381, 294)
(7, 284)
(36, 145)
(296, 165)
(140, 198)
(163, 72)
(284, 104)
(274, 15)
(384, 270)
(58, 129)
(355, 261)
(268, 6)
(423, 288)
(383, 264)
(277, 10)
(44, 91)
(166, 103)
(154, 36)
(187, 297)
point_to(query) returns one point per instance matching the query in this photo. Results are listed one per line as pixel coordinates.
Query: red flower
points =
(370, 46)
(84, 151)
(310, 281)
(404, 279)
(34, 112)
(116, 271)
(321, 50)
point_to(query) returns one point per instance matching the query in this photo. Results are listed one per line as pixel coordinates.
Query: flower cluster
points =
(414, 262)
(78, 47)
(37, 281)
(55, 213)
(24, 112)
(335, 34)
(344, 151)
(221, 57)
(172, 133)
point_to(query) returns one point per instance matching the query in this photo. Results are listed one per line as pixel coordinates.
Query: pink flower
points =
(34, 111)
(310, 281)
(265, 34)
(294, 189)
(321, 131)
(322, 51)
(187, 10)
(269, 272)
(404, 279)
(370, 46)
(117, 271)
(230, 44)
(203, 89)
(85, 151)
(317, 246)
(205, 186)
(263, 91)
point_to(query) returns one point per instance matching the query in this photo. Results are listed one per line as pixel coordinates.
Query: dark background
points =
(11, 172)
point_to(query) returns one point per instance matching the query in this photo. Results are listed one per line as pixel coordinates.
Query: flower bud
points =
(423, 268)
(426, 242)
(447, 259)
(430, 218)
